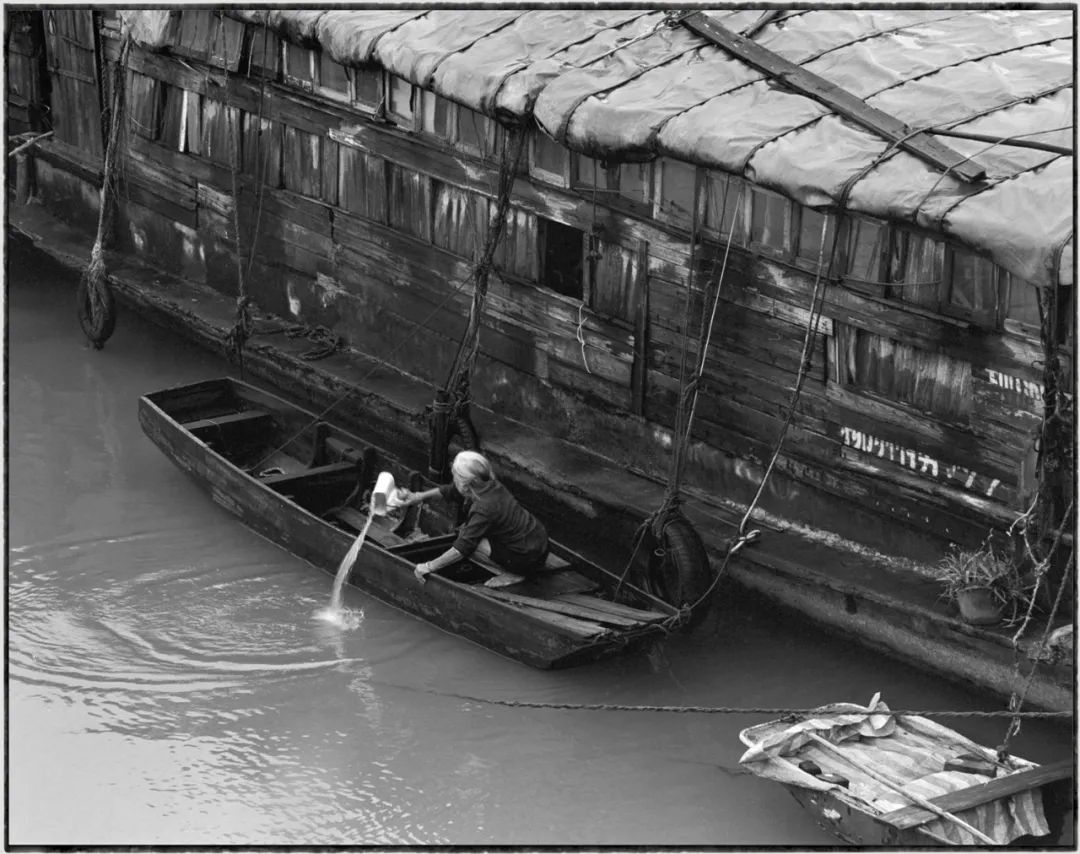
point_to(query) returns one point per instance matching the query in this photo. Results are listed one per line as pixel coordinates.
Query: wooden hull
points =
(386, 572)
(847, 822)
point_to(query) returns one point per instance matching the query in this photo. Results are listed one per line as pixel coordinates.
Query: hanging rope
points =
(744, 537)
(1016, 699)
(458, 380)
(94, 298)
(451, 406)
(242, 328)
(1051, 513)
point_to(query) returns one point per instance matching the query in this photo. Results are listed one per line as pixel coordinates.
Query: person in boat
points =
(496, 526)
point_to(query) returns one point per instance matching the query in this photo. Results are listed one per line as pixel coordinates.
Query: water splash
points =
(336, 614)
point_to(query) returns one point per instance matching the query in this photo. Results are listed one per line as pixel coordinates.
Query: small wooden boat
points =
(305, 485)
(872, 778)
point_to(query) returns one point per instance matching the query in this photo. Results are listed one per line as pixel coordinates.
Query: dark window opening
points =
(866, 241)
(974, 287)
(1023, 303)
(221, 137)
(634, 179)
(333, 76)
(770, 221)
(369, 87)
(263, 52)
(916, 268)
(195, 33)
(298, 66)
(725, 205)
(436, 114)
(549, 155)
(400, 104)
(815, 249)
(474, 131)
(146, 105)
(627, 184)
(677, 181)
(561, 261)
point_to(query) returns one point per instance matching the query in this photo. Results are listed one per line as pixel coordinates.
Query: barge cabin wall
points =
(364, 201)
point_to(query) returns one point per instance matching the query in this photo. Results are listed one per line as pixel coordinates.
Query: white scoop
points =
(385, 495)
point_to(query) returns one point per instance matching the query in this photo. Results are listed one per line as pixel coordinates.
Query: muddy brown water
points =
(168, 683)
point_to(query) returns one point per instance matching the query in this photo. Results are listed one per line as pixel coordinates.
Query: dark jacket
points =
(518, 539)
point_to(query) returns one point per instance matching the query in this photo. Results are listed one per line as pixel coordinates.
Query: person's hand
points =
(404, 497)
(422, 570)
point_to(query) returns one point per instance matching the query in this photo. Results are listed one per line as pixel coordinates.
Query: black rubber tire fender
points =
(98, 329)
(679, 569)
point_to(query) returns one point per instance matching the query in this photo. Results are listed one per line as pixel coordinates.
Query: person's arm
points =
(447, 558)
(406, 498)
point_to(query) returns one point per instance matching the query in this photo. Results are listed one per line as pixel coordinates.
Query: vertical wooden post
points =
(24, 166)
(439, 427)
(640, 371)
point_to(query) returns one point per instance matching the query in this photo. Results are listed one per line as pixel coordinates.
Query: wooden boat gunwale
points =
(385, 569)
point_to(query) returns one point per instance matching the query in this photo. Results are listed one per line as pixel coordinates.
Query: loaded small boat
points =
(306, 485)
(872, 777)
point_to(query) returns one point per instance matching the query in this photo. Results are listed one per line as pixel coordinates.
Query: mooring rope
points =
(728, 710)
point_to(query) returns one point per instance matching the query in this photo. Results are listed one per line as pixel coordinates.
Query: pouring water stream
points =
(383, 496)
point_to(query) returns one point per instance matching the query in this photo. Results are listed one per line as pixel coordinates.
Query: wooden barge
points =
(864, 211)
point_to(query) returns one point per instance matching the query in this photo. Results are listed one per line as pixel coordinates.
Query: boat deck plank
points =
(579, 628)
(313, 473)
(616, 608)
(558, 607)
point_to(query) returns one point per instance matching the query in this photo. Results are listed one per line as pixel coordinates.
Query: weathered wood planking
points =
(502, 338)
(831, 409)
(71, 158)
(566, 206)
(568, 608)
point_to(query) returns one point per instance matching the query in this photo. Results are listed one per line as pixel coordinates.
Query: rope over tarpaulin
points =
(654, 90)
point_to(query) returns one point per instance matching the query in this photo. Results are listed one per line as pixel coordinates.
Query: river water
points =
(168, 684)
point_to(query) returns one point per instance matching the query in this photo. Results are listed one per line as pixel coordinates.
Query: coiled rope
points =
(325, 342)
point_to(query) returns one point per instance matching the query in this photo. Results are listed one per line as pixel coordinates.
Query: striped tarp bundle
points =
(907, 750)
(1003, 820)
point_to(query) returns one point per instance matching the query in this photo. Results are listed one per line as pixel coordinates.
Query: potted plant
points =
(981, 581)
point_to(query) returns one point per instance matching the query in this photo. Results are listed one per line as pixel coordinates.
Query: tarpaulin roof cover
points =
(633, 84)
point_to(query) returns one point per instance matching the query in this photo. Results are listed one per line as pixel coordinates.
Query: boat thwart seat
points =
(313, 473)
(229, 420)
